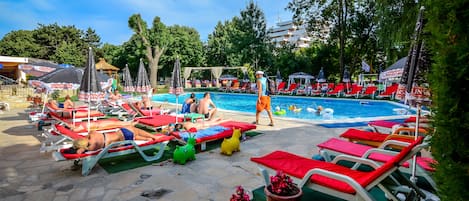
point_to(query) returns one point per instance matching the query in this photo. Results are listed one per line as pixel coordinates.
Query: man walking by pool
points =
(263, 100)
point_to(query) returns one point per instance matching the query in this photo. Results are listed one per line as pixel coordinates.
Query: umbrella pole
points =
(177, 108)
(44, 104)
(413, 178)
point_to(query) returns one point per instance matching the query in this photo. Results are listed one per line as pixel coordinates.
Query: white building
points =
(287, 32)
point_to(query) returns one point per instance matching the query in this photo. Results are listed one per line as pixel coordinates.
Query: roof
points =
(103, 65)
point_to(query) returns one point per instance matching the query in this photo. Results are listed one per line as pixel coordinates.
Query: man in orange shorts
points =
(263, 100)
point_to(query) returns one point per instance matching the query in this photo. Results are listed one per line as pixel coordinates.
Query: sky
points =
(109, 18)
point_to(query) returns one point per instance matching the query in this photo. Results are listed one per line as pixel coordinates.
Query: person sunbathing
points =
(68, 113)
(103, 124)
(95, 140)
(199, 124)
(68, 103)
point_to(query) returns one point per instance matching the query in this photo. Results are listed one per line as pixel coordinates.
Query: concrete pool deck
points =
(27, 174)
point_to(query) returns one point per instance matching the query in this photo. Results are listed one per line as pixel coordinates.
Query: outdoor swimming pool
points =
(350, 109)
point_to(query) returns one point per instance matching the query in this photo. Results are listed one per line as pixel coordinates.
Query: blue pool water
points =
(343, 108)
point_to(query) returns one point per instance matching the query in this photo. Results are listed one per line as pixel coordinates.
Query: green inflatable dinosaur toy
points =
(184, 153)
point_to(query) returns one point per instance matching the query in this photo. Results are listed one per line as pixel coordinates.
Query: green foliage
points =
(449, 42)
(154, 41)
(396, 25)
(62, 44)
(20, 43)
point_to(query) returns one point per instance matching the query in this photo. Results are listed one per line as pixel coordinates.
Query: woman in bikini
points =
(103, 124)
(96, 140)
(200, 124)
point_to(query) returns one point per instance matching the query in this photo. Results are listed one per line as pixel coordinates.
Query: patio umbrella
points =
(176, 85)
(321, 76)
(278, 76)
(413, 85)
(90, 87)
(60, 79)
(143, 83)
(127, 78)
(346, 78)
(245, 77)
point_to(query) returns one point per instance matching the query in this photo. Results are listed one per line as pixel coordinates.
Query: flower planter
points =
(272, 197)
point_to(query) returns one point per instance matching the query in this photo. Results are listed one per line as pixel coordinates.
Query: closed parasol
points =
(176, 85)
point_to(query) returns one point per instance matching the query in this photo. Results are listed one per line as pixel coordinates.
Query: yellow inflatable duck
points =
(294, 108)
(228, 146)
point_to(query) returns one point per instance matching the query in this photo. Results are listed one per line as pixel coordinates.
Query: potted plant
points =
(282, 188)
(240, 195)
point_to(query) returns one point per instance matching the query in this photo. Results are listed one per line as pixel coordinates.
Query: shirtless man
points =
(145, 103)
(68, 103)
(116, 96)
(207, 107)
(96, 140)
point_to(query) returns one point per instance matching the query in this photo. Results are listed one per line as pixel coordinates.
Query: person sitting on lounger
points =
(207, 107)
(145, 103)
(68, 103)
(116, 96)
(96, 140)
(101, 125)
(68, 113)
(199, 124)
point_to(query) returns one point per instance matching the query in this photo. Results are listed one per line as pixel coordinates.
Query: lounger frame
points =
(90, 161)
(362, 192)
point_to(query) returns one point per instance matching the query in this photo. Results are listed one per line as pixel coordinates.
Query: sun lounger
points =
(224, 130)
(70, 114)
(374, 138)
(340, 181)
(158, 121)
(334, 147)
(58, 134)
(90, 158)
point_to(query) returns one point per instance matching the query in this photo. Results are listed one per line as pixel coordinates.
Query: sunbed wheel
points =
(76, 162)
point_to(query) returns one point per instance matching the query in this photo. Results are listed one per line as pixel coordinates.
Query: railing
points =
(7, 81)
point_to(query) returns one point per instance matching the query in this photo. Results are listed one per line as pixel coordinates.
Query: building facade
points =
(287, 32)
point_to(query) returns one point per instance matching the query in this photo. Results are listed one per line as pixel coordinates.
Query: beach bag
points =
(271, 87)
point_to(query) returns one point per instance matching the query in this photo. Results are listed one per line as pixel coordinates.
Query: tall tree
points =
(319, 14)
(396, 25)
(252, 41)
(68, 53)
(91, 39)
(20, 43)
(220, 46)
(155, 41)
(448, 38)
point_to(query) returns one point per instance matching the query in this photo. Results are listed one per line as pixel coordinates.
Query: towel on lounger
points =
(203, 133)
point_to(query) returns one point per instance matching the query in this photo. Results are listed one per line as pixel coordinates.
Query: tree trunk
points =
(341, 38)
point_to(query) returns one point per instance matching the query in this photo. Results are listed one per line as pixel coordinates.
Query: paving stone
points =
(61, 198)
(95, 192)
(110, 195)
(78, 194)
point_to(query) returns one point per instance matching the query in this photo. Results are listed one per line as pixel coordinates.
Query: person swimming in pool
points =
(96, 140)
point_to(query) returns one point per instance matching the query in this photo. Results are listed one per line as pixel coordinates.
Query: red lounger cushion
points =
(239, 125)
(298, 166)
(67, 132)
(159, 120)
(383, 123)
(364, 135)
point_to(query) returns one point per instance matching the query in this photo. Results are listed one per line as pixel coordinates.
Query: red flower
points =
(282, 184)
(240, 195)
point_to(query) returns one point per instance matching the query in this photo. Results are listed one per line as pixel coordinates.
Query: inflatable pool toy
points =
(297, 110)
(280, 112)
(327, 113)
(310, 109)
(401, 111)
